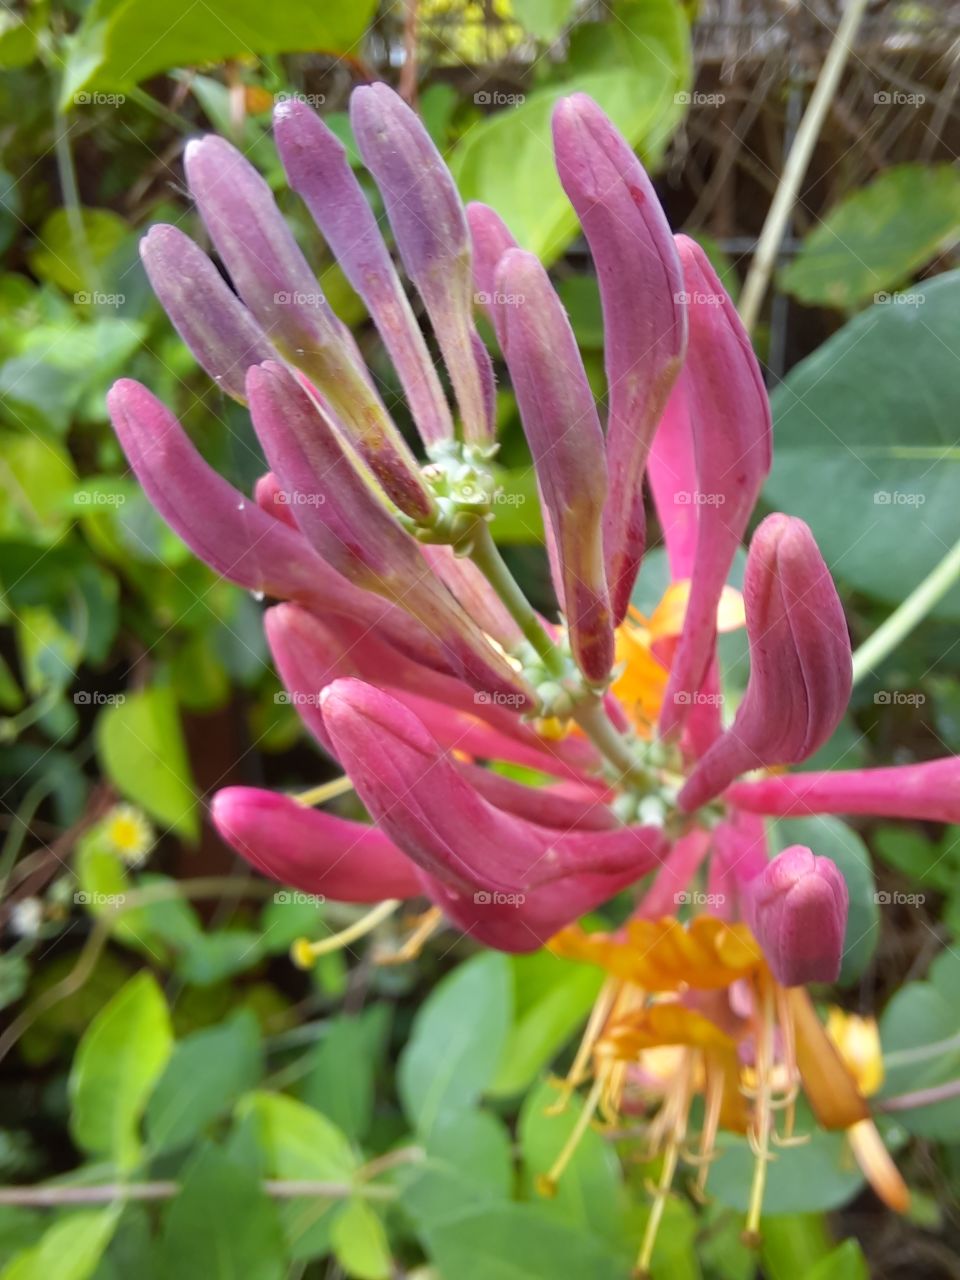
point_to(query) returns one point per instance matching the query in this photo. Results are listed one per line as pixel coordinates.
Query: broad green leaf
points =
(67, 254)
(552, 997)
(360, 1242)
(869, 421)
(341, 1081)
(874, 239)
(118, 1062)
(830, 837)
(221, 1224)
(48, 652)
(792, 1243)
(123, 42)
(37, 480)
(204, 1077)
(590, 1193)
(544, 19)
(69, 1250)
(298, 1142)
(18, 41)
(456, 1041)
(846, 1262)
(526, 191)
(141, 750)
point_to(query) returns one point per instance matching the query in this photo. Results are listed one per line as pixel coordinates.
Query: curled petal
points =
(722, 395)
(318, 170)
(274, 280)
(566, 441)
(927, 792)
(428, 221)
(207, 314)
(797, 910)
(311, 850)
(800, 663)
(643, 312)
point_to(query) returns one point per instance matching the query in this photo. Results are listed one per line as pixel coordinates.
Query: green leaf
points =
(69, 1250)
(590, 1194)
(544, 19)
(875, 239)
(222, 1225)
(552, 997)
(360, 1242)
(341, 1078)
(457, 1041)
(830, 837)
(792, 1243)
(206, 1074)
(536, 209)
(873, 414)
(118, 1062)
(298, 1142)
(141, 750)
(36, 483)
(123, 42)
(67, 254)
(846, 1262)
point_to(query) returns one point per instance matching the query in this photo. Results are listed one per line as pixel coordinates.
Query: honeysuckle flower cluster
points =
(415, 660)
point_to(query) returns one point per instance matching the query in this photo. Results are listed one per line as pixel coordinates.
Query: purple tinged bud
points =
(643, 313)
(209, 317)
(563, 430)
(800, 661)
(721, 392)
(428, 222)
(319, 171)
(797, 910)
(314, 851)
(275, 281)
(491, 239)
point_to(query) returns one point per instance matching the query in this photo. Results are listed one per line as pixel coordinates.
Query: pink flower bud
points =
(800, 662)
(797, 909)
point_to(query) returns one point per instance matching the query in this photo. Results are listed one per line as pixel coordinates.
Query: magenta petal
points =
(271, 497)
(800, 662)
(207, 314)
(428, 221)
(797, 910)
(643, 314)
(927, 792)
(420, 799)
(311, 850)
(491, 239)
(724, 397)
(274, 280)
(566, 808)
(673, 480)
(566, 441)
(670, 888)
(318, 170)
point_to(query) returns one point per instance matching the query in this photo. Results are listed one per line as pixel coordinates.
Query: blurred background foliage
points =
(156, 1030)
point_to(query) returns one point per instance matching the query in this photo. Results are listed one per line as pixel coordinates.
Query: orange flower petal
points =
(832, 1092)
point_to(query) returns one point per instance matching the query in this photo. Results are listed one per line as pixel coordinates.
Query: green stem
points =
(486, 556)
(907, 615)
(592, 718)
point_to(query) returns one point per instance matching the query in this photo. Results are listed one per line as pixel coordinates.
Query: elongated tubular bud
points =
(580, 809)
(562, 428)
(319, 171)
(418, 797)
(491, 239)
(729, 416)
(927, 792)
(468, 585)
(274, 280)
(209, 317)
(797, 910)
(643, 312)
(340, 516)
(311, 850)
(800, 662)
(428, 222)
